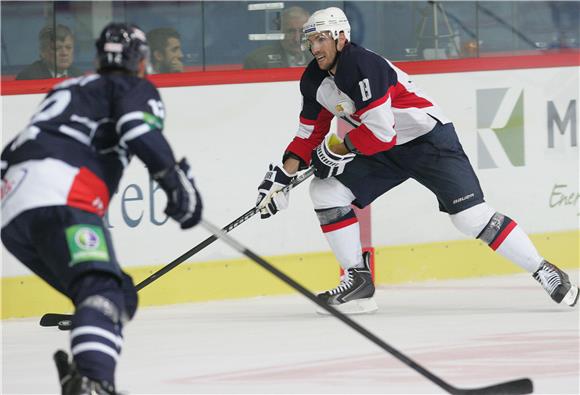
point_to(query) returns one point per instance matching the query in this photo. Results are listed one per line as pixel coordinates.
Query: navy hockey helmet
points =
(121, 46)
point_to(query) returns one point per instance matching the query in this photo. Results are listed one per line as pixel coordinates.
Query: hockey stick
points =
(63, 320)
(514, 387)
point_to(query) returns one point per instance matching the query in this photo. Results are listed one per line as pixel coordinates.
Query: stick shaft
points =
(516, 387)
(228, 228)
(53, 319)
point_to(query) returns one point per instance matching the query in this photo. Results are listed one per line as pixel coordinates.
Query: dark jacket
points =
(272, 56)
(39, 71)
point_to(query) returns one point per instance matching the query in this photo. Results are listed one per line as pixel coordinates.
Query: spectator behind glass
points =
(287, 52)
(56, 55)
(566, 18)
(166, 54)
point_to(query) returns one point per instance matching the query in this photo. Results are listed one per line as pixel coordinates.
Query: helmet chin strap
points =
(335, 58)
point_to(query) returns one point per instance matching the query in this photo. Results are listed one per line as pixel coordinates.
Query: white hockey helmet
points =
(330, 19)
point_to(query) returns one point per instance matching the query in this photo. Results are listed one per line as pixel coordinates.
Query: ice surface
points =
(471, 333)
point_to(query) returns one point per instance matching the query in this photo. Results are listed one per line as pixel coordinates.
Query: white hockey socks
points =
(501, 233)
(518, 248)
(504, 236)
(341, 229)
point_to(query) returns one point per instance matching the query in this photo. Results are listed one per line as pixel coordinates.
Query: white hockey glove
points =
(183, 199)
(269, 200)
(325, 162)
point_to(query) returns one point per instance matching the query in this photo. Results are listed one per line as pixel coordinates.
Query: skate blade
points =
(571, 297)
(354, 307)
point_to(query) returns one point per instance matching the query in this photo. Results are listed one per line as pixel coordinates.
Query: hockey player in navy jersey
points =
(58, 176)
(398, 133)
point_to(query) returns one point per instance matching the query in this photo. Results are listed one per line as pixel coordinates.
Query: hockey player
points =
(398, 133)
(58, 176)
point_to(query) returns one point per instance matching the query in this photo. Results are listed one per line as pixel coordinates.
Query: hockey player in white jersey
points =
(398, 133)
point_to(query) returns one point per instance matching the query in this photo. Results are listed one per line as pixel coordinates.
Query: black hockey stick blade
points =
(63, 320)
(517, 387)
(56, 319)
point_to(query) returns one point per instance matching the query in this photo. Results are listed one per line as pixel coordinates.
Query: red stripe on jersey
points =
(367, 143)
(501, 237)
(338, 225)
(402, 98)
(308, 122)
(88, 192)
(374, 104)
(303, 147)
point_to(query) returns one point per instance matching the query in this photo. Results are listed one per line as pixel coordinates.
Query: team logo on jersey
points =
(153, 121)
(345, 108)
(86, 243)
(500, 128)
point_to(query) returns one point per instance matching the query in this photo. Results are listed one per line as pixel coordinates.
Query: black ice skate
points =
(354, 294)
(557, 284)
(73, 383)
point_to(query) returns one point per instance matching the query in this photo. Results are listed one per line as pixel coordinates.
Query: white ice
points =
(471, 333)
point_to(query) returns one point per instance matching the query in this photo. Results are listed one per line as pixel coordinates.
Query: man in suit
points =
(56, 55)
(287, 52)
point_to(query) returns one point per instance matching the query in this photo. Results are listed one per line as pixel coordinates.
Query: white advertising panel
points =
(518, 127)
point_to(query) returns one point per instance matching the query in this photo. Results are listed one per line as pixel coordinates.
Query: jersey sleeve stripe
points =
(365, 141)
(374, 104)
(134, 133)
(303, 147)
(131, 116)
(75, 134)
(403, 98)
(309, 122)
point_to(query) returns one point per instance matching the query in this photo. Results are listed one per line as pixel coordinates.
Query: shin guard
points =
(496, 230)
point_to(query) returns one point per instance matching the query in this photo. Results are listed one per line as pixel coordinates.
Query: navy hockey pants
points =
(436, 160)
(61, 244)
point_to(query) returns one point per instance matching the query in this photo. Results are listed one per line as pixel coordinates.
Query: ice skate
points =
(557, 284)
(354, 294)
(72, 383)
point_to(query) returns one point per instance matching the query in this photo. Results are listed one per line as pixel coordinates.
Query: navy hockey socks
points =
(96, 335)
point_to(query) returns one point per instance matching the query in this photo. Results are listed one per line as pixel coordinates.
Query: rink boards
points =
(519, 128)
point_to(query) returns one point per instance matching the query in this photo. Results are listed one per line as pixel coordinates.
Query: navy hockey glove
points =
(183, 199)
(326, 163)
(269, 200)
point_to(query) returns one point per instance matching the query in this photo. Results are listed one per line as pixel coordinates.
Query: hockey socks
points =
(96, 338)
(341, 229)
(504, 236)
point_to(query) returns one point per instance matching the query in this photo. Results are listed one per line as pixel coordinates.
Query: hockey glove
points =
(183, 199)
(326, 163)
(269, 199)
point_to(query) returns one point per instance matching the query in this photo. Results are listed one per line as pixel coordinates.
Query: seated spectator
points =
(56, 55)
(287, 52)
(166, 54)
(565, 16)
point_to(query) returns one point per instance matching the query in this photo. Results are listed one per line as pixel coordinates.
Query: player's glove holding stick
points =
(183, 199)
(326, 162)
(269, 199)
